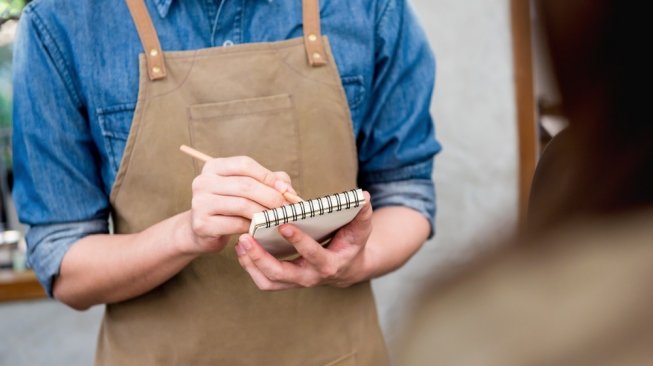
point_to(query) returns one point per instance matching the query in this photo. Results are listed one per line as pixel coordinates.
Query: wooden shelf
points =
(19, 286)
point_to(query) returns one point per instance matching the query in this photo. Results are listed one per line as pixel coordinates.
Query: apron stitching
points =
(300, 162)
(176, 87)
(268, 111)
(291, 110)
(344, 357)
(129, 150)
(196, 164)
(299, 73)
(141, 100)
(343, 99)
(201, 55)
(242, 48)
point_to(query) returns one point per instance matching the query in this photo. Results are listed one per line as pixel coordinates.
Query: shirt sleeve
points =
(397, 141)
(417, 194)
(47, 245)
(57, 183)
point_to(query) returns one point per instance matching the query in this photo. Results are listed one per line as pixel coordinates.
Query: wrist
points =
(183, 236)
(370, 263)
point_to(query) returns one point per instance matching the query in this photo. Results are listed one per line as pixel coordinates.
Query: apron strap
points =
(156, 68)
(312, 36)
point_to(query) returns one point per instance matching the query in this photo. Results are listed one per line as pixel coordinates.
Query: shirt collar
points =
(163, 6)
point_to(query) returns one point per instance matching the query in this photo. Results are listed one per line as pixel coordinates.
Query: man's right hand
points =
(101, 269)
(226, 195)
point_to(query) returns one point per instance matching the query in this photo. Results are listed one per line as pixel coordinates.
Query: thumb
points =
(359, 229)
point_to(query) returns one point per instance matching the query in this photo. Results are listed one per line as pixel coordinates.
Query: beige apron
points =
(282, 104)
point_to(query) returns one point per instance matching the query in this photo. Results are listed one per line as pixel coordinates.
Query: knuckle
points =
(329, 271)
(197, 184)
(255, 256)
(245, 163)
(200, 226)
(269, 178)
(274, 275)
(210, 166)
(309, 282)
(283, 176)
(310, 251)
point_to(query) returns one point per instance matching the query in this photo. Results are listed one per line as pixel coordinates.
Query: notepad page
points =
(319, 227)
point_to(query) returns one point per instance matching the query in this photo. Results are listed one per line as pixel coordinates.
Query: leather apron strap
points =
(312, 35)
(156, 69)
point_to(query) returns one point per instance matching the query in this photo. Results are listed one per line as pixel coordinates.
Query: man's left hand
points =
(340, 264)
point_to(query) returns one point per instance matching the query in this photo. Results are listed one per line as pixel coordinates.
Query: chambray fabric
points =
(76, 84)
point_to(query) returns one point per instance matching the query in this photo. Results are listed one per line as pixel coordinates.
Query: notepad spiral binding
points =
(314, 207)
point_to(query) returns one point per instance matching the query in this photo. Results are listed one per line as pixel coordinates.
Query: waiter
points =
(106, 91)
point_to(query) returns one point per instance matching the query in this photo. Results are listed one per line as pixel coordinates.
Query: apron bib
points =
(282, 104)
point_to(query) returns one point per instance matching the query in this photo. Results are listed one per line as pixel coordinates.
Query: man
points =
(255, 84)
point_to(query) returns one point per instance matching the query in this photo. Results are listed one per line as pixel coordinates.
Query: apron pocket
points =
(261, 128)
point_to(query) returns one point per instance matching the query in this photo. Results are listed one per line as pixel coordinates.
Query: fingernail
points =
(245, 244)
(281, 186)
(239, 250)
(285, 231)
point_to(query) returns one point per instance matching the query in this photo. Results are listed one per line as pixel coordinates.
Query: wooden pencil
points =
(292, 198)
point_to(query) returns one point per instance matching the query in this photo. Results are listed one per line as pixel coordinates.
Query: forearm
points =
(110, 268)
(397, 234)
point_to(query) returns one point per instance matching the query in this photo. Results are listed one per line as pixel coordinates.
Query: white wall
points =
(476, 174)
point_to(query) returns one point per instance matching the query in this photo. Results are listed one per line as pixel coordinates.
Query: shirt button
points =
(228, 43)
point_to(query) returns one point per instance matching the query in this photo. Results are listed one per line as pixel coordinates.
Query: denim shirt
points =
(76, 83)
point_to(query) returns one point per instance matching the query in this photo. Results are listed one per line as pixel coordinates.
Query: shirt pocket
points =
(355, 91)
(262, 128)
(115, 122)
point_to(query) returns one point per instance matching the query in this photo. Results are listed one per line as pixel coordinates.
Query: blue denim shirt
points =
(76, 84)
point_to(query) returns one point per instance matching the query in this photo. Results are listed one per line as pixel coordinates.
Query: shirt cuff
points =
(47, 245)
(418, 194)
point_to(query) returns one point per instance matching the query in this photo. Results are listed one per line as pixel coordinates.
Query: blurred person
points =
(255, 84)
(575, 289)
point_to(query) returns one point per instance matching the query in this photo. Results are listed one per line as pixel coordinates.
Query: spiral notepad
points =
(319, 218)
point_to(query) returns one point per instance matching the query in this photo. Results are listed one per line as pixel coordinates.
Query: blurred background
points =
(493, 106)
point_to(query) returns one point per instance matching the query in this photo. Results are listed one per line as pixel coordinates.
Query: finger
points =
(259, 278)
(238, 186)
(261, 281)
(284, 178)
(240, 166)
(273, 269)
(214, 226)
(212, 204)
(313, 253)
(359, 229)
